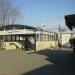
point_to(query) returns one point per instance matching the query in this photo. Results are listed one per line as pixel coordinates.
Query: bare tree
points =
(14, 16)
(8, 14)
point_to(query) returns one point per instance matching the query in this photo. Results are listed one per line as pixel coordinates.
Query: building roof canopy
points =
(16, 26)
(70, 21)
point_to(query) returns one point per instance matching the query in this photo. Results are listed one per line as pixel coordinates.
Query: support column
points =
(6, 38)
(11, 37)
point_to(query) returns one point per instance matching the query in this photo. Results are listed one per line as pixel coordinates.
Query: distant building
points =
(65, 37)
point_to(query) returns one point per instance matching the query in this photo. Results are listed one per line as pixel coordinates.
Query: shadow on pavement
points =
(63, 63)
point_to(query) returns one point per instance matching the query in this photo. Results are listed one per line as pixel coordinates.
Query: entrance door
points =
(30, 43)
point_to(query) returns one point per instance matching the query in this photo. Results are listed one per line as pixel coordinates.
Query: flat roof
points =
(16, 26)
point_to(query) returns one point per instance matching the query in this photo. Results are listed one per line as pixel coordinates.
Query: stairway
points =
(17, 44)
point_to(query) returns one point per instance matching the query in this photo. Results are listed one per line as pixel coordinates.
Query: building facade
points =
(26, 38)
(65, 37)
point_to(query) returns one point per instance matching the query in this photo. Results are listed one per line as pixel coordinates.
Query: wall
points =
(42, 45)
(46, 40)
(11, 45)
(65, 39)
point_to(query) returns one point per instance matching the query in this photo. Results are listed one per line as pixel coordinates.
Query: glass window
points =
(52, 37)
(21, 38)
(41, 37)
(44, 37)
(48, 37)
(13, 37)
(37, 37)
(17, 37)
(8, 38)
(4, 38)
(56, 37)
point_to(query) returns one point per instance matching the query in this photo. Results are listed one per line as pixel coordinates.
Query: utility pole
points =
(59, 39)
(59, 28)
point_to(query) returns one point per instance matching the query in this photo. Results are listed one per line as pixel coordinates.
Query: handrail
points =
(15, 45)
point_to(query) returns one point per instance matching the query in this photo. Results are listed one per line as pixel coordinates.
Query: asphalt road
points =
(47, 62)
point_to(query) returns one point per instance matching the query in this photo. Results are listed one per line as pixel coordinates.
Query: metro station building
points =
(25, 37)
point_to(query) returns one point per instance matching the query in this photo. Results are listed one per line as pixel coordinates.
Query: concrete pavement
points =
(47, 62)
